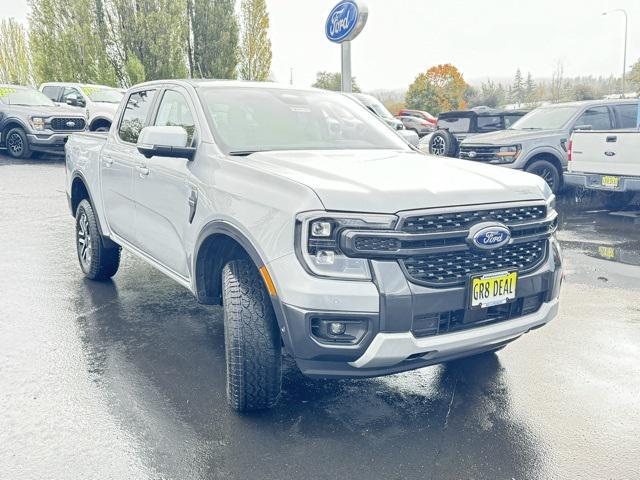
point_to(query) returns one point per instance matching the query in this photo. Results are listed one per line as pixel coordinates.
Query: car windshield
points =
(24, 96)
(247, 120)
(547, 118)
(106, 95)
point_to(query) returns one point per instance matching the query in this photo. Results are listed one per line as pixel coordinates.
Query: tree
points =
(66, 42)
(584, 92)
(214, 29)
(152, 34)
(255, 47)
(333, 81)
(14, 53)
(529, 89)
(518, 89)
(490, 95)
(440, 89)
(557, 83)
(634, 75)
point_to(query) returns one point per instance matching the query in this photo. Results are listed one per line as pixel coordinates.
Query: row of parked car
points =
(41, 120)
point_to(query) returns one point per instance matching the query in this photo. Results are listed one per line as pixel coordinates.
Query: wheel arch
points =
(545, 155)
(99, 121)
(80, 191)
(8, 124)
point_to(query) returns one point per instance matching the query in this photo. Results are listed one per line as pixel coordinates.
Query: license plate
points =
(493, 289)
(610, 182)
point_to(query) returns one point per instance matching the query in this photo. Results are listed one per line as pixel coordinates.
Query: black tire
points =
(102, 127)
(443, 144)
(548, 171)
(96, 261)
(17, 144)
(617, 200)
(252, 339)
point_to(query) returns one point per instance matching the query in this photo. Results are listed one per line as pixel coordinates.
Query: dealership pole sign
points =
(345, 22)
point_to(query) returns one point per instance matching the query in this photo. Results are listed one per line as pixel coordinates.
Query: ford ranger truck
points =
(607, 162)
(30, 122)
(320, 231)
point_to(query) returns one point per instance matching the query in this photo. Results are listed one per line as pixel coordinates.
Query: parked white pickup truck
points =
(317, 228)
(607, 161)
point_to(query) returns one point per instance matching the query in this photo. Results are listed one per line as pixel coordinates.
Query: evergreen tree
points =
(214, 29)
(518, 89)
(14, 53)
(529, 89)
(255, 47)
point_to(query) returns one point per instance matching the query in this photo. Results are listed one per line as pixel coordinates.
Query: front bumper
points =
(390, 306)
(593, 181)
(48, 142)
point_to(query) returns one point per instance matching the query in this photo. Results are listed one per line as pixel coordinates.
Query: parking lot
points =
(126, 379)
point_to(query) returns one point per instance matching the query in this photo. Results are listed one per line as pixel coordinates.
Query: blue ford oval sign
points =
(346, 21)
(489, 237)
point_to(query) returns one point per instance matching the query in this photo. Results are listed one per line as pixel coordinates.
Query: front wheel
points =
(17, 144)
(252, 339)
(96, 261)
(548, 171)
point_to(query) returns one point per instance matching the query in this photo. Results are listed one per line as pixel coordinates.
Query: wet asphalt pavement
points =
(126, 379)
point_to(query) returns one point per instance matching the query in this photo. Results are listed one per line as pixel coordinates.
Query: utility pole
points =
(624, 59)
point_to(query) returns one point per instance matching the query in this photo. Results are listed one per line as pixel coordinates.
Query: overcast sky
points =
(488, 38)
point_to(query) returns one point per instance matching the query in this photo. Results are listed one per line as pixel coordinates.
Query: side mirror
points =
(583, 127)
(410, 136)
(72, 99)
(165, 142)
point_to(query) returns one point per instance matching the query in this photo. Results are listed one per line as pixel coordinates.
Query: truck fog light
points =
(321, 229)
(337, 328)
(325, 257)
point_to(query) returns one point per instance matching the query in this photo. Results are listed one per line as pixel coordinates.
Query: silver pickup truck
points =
(318, 229)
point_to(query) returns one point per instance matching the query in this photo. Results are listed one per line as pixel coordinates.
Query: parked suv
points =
(99, 101)
(317, 229)
(453, 127)
(538, 142)
(30, 122)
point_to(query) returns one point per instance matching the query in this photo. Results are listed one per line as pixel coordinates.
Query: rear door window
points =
(596, 117)
(489, 124)
(626, 115)
(455, 124)
(135, 114)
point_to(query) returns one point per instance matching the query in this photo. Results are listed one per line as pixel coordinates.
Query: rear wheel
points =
(96, 261)
(443, 144)
(548, 171)
(617, 200)
(252, 339)
(17, 144)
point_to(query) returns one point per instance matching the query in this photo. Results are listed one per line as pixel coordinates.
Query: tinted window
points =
(52, 92)
(455, 125)
(626, 115)
(596, 117)
(489, 124)
(70, 91)
(135, 115)
(174, 111)
(510, 120)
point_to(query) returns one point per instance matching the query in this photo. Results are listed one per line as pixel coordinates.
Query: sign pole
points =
(346, 66)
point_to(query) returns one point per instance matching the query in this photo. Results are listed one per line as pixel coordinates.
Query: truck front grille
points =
(67, 124)
(478, 153)
(431, 324)
(447, 222)
(453, 268)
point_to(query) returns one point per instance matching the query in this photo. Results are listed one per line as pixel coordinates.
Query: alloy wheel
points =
(15, 144)
(438, 146)
(84, 241)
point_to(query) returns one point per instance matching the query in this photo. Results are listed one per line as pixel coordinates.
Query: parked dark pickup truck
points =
(30, 122)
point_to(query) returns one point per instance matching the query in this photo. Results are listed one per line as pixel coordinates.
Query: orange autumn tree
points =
(440, 89)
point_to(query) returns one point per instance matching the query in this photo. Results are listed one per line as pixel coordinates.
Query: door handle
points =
(612, 139)
(142, 171)
(108, 161)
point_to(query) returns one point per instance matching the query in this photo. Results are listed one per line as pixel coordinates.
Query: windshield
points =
(551, 118)
(24, 96)
(247, 120)
(106, 95)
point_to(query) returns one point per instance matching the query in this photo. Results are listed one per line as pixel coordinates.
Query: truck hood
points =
(509, 137)
(388, 181)
(43, 111)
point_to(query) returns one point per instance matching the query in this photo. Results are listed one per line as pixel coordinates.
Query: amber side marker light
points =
(271, 288)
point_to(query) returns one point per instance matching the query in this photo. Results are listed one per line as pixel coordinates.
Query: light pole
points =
(624, 61)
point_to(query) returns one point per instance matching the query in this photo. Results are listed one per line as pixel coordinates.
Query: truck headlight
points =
(318, 242)
(507, 154)
(37, 123)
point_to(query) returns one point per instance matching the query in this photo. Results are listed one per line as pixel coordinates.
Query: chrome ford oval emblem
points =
(472, 154)
(489, 236)
(71, 124)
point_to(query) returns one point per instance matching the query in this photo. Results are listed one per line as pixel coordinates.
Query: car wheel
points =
(442, 144)
(548, 172)
(96, 261)
(103, 128)
(17, 144)
(617, 200)
(252, 339)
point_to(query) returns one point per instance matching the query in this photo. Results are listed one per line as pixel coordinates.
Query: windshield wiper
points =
(245, 153)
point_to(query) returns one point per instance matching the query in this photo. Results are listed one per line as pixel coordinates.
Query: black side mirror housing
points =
(167, 151)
